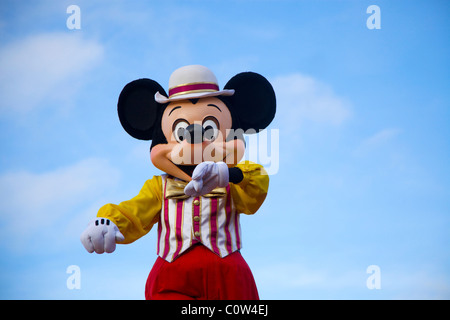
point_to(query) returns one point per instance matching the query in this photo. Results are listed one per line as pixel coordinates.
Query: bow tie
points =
(175, 190)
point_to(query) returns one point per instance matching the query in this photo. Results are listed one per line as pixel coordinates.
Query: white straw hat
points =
(192, 82)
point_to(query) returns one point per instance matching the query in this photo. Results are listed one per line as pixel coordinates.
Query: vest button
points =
(196, 202)
(197, 234)
(197, 218)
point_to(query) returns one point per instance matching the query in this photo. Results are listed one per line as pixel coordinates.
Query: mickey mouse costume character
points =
(196, 132)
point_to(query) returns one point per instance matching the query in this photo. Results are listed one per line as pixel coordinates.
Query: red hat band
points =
(193, 87)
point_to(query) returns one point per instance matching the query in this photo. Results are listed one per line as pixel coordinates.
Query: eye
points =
(211, 127)
(178, 129)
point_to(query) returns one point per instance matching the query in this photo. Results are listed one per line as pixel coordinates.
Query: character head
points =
(196, 121)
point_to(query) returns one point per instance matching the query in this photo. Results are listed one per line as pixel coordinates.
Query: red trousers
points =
(201, 274)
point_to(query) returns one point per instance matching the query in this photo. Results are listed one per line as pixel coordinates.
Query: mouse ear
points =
(253, 102)
(138, 109)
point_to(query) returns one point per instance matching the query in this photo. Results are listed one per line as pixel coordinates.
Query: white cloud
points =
(44, 68)
(381, 137)
(377, 140)
(34, 205)
(302, 98)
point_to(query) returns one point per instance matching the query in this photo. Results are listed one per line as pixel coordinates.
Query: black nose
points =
(194, 133)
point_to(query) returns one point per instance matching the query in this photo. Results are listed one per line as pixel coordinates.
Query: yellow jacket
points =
(136, 217)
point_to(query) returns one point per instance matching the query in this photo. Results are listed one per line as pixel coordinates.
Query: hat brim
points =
(193, 95)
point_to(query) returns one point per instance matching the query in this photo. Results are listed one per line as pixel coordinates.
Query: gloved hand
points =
(207, 176)
(101, 236)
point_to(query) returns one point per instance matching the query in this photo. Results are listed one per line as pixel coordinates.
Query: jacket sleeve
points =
(249, 194)
(136, 217)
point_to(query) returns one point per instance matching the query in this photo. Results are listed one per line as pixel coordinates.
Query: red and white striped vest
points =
(212, 221)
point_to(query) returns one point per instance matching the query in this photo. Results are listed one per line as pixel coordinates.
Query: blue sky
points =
(363, 121)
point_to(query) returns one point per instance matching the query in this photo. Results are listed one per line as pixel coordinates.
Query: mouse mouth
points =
(167, 158)
(188, 169)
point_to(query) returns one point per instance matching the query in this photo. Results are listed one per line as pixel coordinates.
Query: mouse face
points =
(196, 131)
(196, 122)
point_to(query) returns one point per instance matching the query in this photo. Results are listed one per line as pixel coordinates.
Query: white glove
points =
(207, 176)
(101, 236)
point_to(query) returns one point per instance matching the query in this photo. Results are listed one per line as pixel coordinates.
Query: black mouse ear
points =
(138, 109)
(253, 102)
